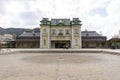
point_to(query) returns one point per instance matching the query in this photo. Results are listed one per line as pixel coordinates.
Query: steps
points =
(60, 51)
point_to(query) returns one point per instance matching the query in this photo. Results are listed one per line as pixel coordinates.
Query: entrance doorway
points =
(60, 45)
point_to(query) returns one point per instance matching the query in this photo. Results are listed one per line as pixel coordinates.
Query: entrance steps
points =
(61, 51)
(37, 50)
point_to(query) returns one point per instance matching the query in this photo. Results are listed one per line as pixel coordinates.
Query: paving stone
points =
(59, 66)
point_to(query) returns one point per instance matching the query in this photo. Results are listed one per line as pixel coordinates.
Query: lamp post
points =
(0, 41)
(0, 45)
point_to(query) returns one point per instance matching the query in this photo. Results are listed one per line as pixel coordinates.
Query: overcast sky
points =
(102, 16)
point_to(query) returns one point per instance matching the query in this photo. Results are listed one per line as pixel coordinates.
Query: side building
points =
(91, 39)
(28, 39)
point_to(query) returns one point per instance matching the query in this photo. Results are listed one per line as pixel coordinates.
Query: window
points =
(76, 31)
(53, 32)
(44, 42)
(44, 31)
(87, 34)
(67, 31)
(76, 22)
(60, 32)
(76, 42)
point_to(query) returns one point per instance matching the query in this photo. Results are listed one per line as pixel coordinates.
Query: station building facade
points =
(90, 39)
(60, 33)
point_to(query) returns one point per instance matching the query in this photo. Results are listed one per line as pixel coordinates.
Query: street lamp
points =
(0, 41)
(0, 45)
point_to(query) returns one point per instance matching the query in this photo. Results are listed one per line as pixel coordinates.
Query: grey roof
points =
(60, 21)
(83, 34)
(30, 34)
(90, 33)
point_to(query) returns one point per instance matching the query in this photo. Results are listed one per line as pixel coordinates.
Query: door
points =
(59, 45)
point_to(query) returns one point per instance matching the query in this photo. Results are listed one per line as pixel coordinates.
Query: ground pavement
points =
(59, 66)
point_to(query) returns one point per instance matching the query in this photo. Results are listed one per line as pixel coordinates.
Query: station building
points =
(60, 33)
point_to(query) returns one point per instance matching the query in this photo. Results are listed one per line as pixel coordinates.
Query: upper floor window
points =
(53, 32)
(60, 32)
(76, 31)
(67, 31)
(44, 31)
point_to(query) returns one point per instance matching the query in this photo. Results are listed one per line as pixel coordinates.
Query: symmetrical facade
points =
(60, 33)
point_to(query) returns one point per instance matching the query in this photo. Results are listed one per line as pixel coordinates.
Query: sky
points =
(102, 16)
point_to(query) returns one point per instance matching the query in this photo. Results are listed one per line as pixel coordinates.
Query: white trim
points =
(72, 37)
(48, 37)
(41, 38)
(80, 38)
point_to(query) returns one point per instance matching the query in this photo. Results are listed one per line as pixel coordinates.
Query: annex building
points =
(28, 39)
(60, 33)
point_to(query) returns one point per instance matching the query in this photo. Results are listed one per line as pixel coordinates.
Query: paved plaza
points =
(59, 66)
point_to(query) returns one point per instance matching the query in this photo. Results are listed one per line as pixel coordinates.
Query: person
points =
(66, 46)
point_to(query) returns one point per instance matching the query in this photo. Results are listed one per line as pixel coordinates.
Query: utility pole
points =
(0, 41)
(0, 45)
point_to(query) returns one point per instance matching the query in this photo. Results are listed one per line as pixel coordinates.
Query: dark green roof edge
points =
(46, 21)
